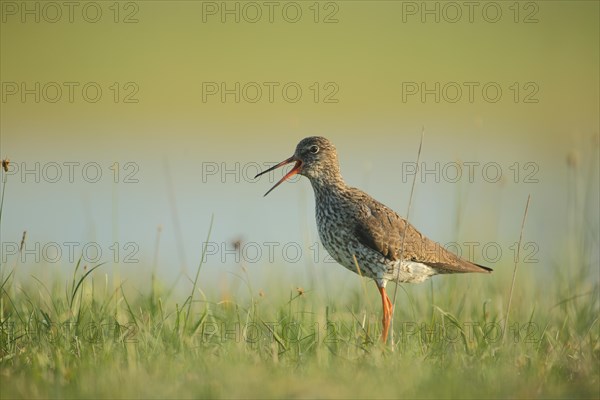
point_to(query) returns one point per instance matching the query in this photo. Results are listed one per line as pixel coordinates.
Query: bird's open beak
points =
(292, 172)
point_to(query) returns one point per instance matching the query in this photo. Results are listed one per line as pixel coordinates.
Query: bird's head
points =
(315, 158)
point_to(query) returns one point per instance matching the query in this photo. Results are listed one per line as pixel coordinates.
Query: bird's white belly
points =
(410, 272)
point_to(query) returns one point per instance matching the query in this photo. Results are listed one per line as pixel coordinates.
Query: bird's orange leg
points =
(387, 313)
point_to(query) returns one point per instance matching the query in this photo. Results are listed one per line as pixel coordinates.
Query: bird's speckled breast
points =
(335, 214)
(335, 222)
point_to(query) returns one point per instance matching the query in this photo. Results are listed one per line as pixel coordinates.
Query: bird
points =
(362, 234)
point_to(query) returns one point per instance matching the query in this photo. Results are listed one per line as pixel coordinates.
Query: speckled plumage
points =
(353, 224)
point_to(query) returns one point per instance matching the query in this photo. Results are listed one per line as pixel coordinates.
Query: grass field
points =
(92, 334)
(77, 338)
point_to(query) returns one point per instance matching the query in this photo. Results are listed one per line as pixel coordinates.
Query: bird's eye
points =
(314, 149)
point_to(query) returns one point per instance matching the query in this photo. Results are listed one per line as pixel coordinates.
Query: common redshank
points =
(364, 235)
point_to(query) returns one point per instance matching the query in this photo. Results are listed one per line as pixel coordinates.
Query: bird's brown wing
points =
(381, 229)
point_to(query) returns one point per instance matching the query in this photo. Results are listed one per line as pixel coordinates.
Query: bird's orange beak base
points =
(292, 172)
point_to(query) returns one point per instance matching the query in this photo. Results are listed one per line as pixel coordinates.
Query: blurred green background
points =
(184, 153)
